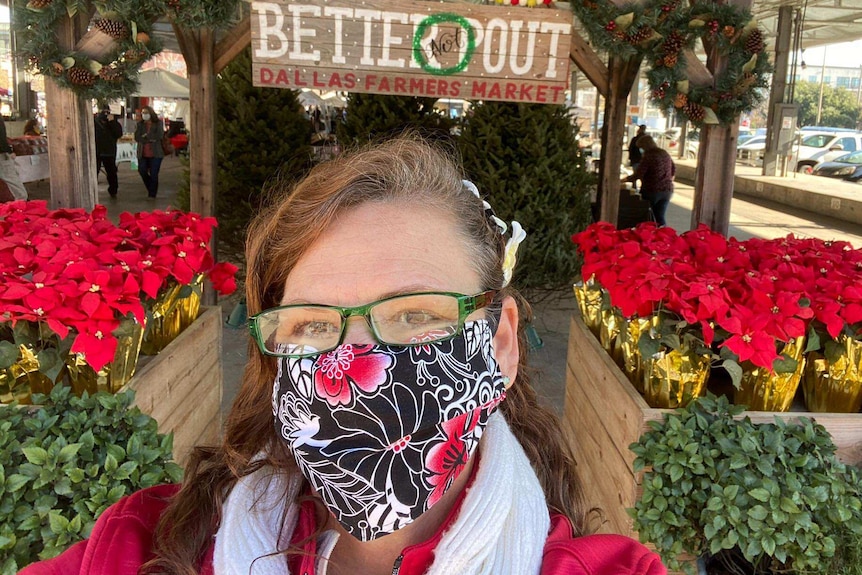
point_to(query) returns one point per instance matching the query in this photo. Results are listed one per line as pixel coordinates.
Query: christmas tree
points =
(261, 133)
(525, 161)
(371, 117)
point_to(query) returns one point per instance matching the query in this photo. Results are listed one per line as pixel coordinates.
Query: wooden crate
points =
(181, 387)
(604, 414)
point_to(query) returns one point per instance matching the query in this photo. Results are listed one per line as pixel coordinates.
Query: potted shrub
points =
(65, 462)
(745, 498)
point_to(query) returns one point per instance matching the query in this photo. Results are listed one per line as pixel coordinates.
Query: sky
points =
(845, 54)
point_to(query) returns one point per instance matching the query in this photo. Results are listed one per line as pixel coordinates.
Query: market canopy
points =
(158, 83)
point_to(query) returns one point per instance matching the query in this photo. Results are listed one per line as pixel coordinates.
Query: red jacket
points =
(122, 538)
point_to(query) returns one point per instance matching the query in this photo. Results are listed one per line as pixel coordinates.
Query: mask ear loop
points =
(518, 234)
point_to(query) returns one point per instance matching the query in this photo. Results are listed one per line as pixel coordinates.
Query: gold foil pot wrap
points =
(673, 379)
(609, 330)
(115, 374)
(762, 390)
(835, 387)
(23, 378)
(589, 300)
(170, 315)
(630, 360)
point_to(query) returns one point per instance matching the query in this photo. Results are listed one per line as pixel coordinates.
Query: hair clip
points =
(518, 234)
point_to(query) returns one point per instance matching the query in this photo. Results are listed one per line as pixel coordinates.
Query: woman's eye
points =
(417, 317)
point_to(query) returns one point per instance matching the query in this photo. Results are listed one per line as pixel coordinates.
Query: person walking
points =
(655, 171)
(8, 167)
(148, 135)
(108, 131)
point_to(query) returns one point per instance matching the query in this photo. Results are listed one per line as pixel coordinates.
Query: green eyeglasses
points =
(415, 319)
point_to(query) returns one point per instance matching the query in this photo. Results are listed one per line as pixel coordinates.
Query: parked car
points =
(818, 147)
(751, 151)
(847, 167)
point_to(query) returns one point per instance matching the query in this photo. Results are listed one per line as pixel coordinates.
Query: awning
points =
(157, 83)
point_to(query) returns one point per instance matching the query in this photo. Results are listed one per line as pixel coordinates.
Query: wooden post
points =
(622, 76)
(198, 49)
(776, 93)
(71, 146)
(716, 158)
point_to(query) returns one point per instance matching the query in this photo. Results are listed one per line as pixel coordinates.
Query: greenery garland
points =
(660, 30)
(624, 31)
(740, 87)
(108, 76)
(195, 14)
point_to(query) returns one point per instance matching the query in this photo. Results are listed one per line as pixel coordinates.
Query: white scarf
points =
(500, 529)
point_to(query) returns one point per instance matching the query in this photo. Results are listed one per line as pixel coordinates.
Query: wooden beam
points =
(202, 150)
(716, 158)
(623, 74)
(71, 147)
(586, 59)
(190, 48)
(233, 43)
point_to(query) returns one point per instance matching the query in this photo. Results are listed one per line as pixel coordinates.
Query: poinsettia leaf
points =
(784, 364)
(648, 346)
(813, 343)
(833, 351)
(50, 363)
(734, 370)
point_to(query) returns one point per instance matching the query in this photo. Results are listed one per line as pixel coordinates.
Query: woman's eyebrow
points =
(417, 288)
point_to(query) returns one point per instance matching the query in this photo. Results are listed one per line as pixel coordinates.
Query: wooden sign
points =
(413, 48)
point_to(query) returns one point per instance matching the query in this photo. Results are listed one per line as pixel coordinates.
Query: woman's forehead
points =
(382, 248)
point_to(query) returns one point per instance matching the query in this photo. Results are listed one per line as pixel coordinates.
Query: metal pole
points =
(859, 88)
(820, 97)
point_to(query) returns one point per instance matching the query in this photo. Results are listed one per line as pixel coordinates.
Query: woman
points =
(406, 441)
(148, 134)
(655, 171)
(31, 128)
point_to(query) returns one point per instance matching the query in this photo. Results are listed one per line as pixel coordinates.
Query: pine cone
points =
(38, 4)
(754, 43)
(112, 75)
(133, 56)
(81, 76)
(641, 34)
(695, 112)
(670, 60)
(673, 43)
(113, 28)
(680, 100)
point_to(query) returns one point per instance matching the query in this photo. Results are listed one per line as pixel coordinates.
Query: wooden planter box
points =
(181, 387)
(604, 414)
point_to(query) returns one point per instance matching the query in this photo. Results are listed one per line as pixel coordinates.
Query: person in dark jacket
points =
(148, 134)
(634, 150)
(655, 171)
(108, 131)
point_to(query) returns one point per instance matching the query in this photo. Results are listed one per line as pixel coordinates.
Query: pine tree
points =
(524, 159)
(373, 116)
(261, 133)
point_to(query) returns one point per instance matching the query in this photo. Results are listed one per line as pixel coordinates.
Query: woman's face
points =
(381, 249)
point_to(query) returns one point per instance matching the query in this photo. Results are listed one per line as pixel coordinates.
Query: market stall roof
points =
(162, 84)
(825, 21)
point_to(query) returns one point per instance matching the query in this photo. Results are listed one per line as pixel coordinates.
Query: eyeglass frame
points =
(467, 304)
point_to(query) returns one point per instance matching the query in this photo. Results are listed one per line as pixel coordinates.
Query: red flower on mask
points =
(348, 365)
(447, 459)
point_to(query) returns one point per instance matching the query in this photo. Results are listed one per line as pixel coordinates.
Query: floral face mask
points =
(382, 432)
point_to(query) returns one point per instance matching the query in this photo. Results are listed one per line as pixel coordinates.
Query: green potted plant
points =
(63, 463)
(745, 498)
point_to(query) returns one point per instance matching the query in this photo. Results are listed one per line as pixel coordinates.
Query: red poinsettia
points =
(73, 273)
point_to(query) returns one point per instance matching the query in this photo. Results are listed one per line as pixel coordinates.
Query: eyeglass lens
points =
(401, 320)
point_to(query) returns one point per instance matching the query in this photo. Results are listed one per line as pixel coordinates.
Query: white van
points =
(817, 147)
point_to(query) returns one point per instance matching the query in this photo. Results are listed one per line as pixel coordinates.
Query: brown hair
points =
(148, 110)
(403, 169)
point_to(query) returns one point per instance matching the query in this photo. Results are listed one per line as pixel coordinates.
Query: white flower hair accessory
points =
(518, 234)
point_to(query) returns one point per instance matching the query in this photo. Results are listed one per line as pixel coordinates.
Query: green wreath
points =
(624, 31)
(660, 30)
(194, 14)
(106, 63)
(739, 88)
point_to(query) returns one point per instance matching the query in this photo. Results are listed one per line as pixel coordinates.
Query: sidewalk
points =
(749, 218)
